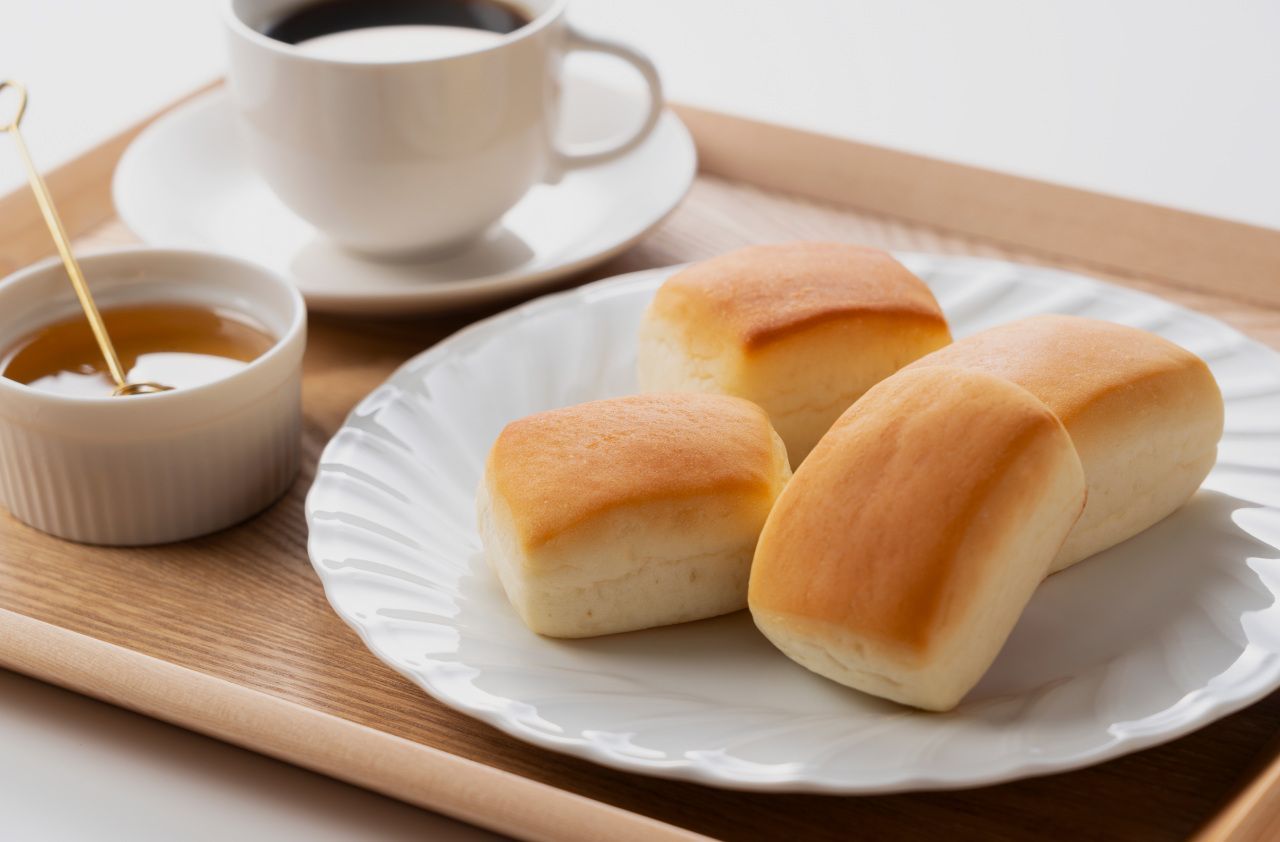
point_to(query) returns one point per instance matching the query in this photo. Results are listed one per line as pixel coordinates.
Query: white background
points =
(72, 768)
(1171, 101)
(1168, 101)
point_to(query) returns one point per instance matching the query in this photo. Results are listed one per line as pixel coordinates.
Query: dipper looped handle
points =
(60, 239)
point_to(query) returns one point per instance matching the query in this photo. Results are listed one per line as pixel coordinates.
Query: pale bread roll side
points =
(1145, 414)
(802, 329)
(629, 513)
(903, 551)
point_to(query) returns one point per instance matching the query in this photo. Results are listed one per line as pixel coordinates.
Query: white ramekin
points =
(162, 467)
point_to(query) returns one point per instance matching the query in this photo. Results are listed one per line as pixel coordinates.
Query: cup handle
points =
(586, 154)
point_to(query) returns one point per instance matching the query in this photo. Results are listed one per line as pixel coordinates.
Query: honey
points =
(175, 344)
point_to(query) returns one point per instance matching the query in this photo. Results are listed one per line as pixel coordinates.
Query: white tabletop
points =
(74, 769)
(1173, 103)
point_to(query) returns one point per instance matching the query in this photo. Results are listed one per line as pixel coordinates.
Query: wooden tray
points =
(167, 631)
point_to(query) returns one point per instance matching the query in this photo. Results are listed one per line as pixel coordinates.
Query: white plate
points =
(185, 182)
(1138, 645)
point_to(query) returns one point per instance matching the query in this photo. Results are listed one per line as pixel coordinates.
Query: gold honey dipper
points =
(59, 234)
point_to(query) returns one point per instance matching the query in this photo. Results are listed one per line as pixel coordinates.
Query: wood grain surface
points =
(1107, 232)
(1254, 814)
(244, 608)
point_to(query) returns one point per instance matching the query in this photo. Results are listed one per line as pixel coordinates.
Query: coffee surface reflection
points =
(330, 17)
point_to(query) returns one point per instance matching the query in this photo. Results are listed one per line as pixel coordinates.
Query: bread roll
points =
(1145, 414)
(802, 329)
(902, 553)
(629, 513)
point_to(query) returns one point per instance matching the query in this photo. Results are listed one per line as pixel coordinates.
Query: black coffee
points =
(331, 16)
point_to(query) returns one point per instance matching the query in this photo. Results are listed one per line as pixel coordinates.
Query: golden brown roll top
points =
(803, 329)
(902, 553)
(1145, 414)
(631, 512)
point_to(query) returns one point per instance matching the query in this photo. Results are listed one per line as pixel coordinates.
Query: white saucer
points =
(184, 182)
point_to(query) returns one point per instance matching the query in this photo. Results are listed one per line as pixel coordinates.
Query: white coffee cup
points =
(418, 154)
